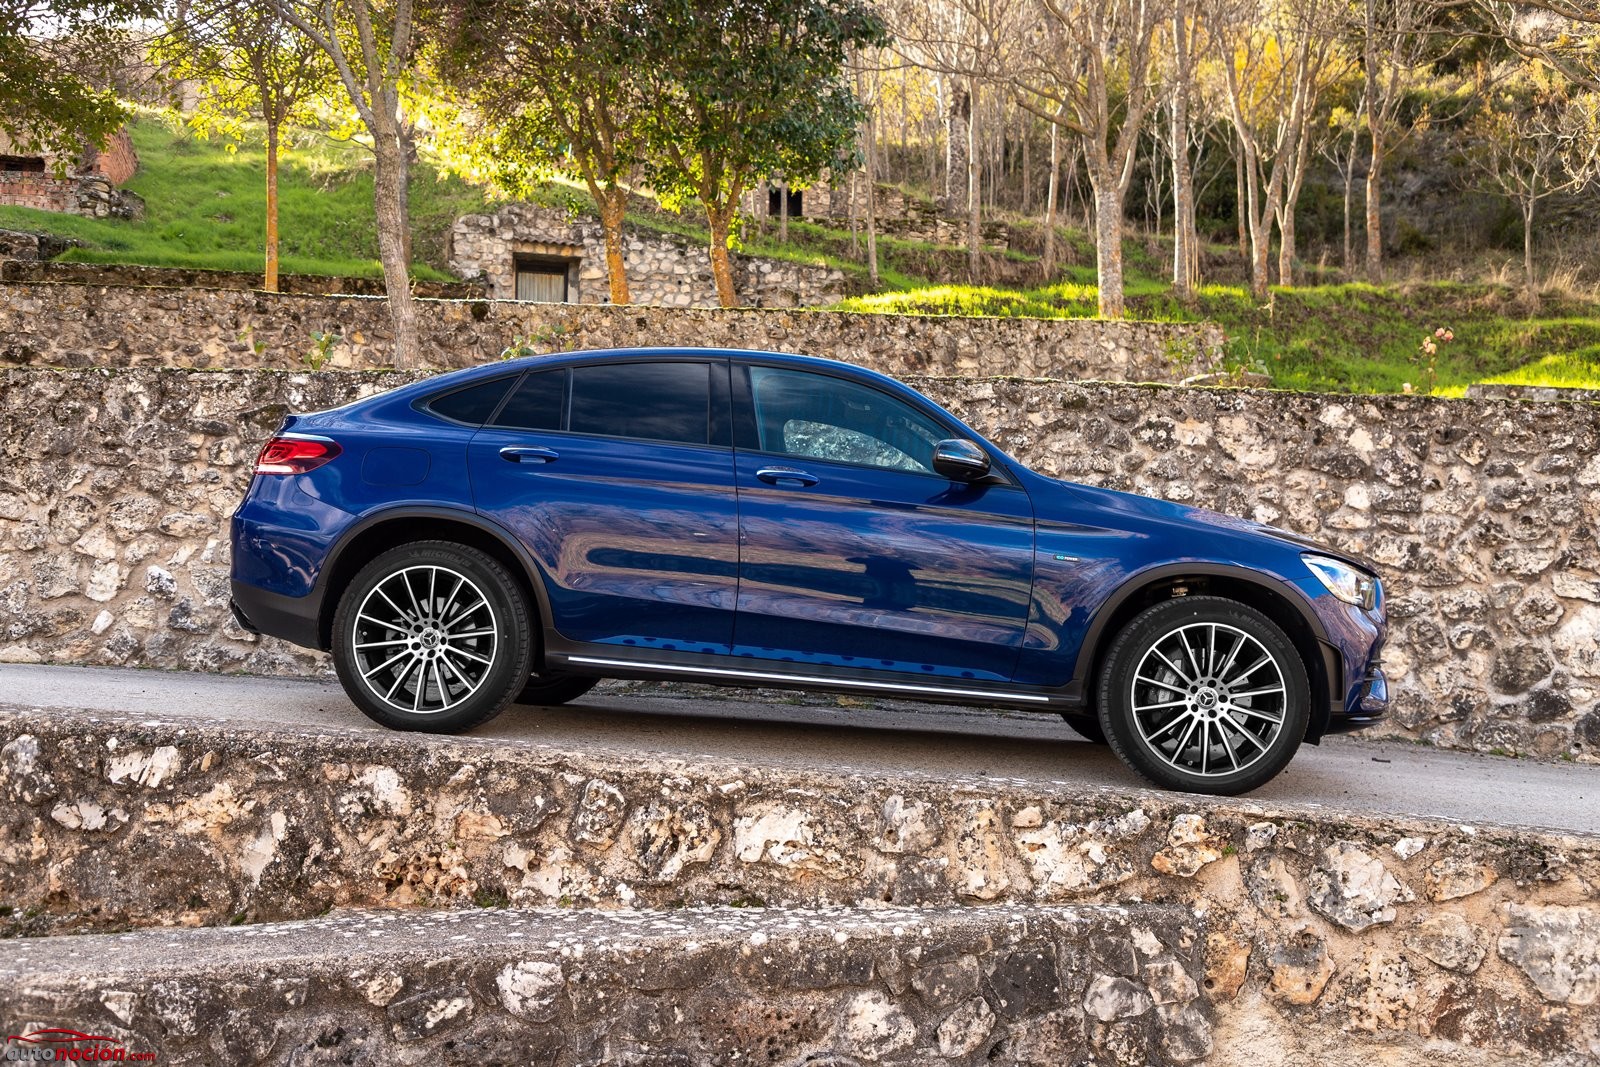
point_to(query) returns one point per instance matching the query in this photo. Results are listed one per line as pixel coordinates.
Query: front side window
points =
(819, 417)
(652, 401)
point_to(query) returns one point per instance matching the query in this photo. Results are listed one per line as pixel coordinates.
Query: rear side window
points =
(537, 403)
(472, 405)
(654, 401)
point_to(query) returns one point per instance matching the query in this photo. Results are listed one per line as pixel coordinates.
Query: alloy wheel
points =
(424, 639)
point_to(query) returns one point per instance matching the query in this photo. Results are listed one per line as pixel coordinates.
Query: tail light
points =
(295, 455)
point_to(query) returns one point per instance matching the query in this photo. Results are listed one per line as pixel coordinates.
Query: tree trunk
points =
(1349, 206)
(1243, 210)
(872, 208)
(269, 277)
(613, 208)
(957, 150)
(855, 230)
(1051, 195)
(720, 219)
(389, 202)
(1375, 212)
(1527, 251)
(783, 206)
(974, 197)
(1108, 241)
(1286, 244)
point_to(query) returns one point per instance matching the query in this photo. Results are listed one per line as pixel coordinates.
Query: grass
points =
(205, 208)
(1327, 338)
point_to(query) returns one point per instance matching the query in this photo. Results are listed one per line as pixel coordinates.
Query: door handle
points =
(529, 455)
(776, 475)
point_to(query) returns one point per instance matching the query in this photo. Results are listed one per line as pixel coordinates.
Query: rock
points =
(25, 778)
(149, 769)
(1110, 998)
(980, 852)
(1066, 858)
(872, 1027)
(161, 583)
(908, 826)
(1273, 889)
(1300, 969)
(599, 815)
(966, 1029)
(663, 839)
(1448, 940)
(426, 1014)
(1353, 888)
(1453, 876)
(1189, 848)
(1557, 947)
(787, 837)
(1169, 983)
(1227, 964)
(529, 989)
(1380, 993)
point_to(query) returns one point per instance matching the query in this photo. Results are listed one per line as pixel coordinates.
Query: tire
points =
(1156, 703)
(1086, 726)
(412, 657)
(548, 690)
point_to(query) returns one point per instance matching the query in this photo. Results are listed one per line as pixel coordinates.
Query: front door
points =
(618, 477)
(854, 553)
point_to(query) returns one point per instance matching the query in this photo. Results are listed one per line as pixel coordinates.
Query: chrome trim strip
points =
(768, 677)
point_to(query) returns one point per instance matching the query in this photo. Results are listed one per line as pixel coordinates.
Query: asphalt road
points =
(851, 736)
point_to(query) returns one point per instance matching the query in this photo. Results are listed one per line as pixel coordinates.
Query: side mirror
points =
(960, 460)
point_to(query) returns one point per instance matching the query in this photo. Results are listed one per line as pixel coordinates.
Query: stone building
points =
(526, 252)
(85, 185)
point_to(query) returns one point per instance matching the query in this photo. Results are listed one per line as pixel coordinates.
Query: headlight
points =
(1349, 584)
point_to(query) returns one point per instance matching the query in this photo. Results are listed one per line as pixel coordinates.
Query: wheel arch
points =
(393, 527)
(1278, 601)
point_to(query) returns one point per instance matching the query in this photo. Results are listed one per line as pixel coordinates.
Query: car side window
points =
(472, 405)
(653, 401)
(537, 402)
(820, 417)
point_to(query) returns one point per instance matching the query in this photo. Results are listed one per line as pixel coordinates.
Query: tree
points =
(55, 87)
(559, 87)
(1273, 70)
(1564, 35)
(745, 89)
(1187, 43)
(247, 61)
(372, 44)
(1091, 73)
(1534, 147)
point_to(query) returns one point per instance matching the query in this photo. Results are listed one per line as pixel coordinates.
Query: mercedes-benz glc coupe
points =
(517, 531)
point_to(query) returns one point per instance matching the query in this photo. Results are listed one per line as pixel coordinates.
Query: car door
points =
(853, 552)
(618, 477)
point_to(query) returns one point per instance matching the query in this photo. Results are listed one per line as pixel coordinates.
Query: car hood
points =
(1062, 492)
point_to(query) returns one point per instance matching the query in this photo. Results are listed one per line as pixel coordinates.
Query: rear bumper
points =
(294, 619)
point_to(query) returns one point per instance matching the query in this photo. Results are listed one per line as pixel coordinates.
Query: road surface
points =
(855, 736)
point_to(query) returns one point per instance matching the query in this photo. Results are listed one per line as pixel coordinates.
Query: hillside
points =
(205, 210)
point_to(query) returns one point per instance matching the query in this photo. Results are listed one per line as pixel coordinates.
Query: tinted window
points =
(819, 417)
(473, 404)
(537, 403)
(657, 401)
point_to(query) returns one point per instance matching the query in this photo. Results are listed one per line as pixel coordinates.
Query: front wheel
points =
(432, 636)
(1204, 694)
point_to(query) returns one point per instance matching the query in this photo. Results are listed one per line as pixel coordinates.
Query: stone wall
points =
(1410, 940)
(663, 269)
(116, 487)
(25, 257)
(87, 326)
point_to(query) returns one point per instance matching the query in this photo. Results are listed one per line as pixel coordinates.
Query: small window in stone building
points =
(775, 202)
(25, 164)
(544, 279)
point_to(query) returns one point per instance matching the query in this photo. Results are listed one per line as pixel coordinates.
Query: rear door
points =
(855, 554)
(618, 477)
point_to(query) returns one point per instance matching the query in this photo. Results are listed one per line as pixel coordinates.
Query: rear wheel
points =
(1204, 694)
(432, 636)
(548, 690)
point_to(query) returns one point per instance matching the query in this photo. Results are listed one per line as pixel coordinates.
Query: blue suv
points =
(518, 531)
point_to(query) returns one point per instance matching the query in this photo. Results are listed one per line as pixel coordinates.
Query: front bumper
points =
(1368, 705)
